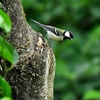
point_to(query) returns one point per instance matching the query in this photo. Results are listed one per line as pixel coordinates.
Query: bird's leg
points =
(49, 41)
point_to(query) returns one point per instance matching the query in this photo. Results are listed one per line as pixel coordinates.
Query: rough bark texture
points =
(32, 78)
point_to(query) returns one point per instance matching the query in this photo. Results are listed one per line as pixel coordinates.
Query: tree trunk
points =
(32, 77)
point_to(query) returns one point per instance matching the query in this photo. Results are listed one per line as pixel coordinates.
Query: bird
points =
(54, 33)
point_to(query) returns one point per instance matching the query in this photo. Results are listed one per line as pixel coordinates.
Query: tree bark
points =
(32, 77)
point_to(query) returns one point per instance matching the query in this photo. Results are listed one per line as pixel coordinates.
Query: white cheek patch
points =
(67, 34)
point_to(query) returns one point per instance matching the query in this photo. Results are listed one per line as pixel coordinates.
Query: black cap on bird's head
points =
(68, 35)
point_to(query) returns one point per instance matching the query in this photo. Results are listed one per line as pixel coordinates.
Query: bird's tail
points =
(38, 23)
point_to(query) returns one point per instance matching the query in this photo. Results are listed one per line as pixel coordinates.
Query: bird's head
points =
(68, 35)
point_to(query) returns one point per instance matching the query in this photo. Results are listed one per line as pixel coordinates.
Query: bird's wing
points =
(52, 29)
(60, 30)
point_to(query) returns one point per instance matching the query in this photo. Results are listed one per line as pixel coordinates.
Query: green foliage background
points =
(77, 74)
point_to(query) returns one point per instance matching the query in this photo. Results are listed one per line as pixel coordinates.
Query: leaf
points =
(5, 89)
(93, 95)
(8, 52)
(5, 22)
(6, 98)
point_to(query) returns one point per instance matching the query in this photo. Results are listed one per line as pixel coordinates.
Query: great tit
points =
(54, 33)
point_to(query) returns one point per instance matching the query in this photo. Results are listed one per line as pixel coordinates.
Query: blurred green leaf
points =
(5, 22)
(5, 89)
(62, 70)
(6, 98)
(60, 83)
(93, 37)
(87, 69)
(8, 52)
(95, 12)
(69, 96)
(92, 95)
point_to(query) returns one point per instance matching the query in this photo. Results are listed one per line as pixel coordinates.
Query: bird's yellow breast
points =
(52, 36)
